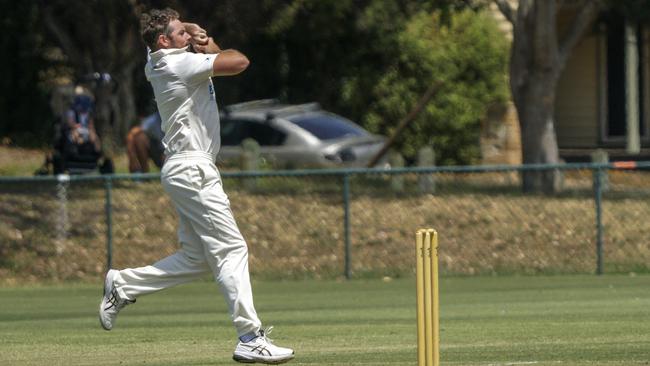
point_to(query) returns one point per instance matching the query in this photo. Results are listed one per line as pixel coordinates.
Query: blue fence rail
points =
(362, 180)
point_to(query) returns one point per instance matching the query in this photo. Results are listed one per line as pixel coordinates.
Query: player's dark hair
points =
(154, 23)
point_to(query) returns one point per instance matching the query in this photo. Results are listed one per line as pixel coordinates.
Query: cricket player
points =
(209, 238)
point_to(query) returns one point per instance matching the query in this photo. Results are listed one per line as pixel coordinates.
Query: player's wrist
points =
(198, 36)
(211, 47)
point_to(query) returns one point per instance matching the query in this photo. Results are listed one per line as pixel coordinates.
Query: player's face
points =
(177, 37)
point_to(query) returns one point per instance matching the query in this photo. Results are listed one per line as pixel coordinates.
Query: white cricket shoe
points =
(262, 350)
(111, 302)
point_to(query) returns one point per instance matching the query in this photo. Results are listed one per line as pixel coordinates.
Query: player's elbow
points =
(230, 63)
(242, 64)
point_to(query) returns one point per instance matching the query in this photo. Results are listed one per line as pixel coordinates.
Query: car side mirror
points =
(269, 117)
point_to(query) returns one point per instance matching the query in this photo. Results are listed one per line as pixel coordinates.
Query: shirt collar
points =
(157, 55)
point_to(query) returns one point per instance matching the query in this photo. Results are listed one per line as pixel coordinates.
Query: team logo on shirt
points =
(211, 91)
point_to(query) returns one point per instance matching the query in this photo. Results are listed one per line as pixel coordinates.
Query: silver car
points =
(294, 136)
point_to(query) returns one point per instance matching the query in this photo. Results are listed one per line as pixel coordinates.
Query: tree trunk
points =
(126, 102)
(534, 71)
(536, 62)
(539, 142)
(104, 118)
(533, 88)
(115, 110)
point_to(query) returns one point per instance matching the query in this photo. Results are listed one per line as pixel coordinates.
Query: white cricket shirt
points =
(185, 98)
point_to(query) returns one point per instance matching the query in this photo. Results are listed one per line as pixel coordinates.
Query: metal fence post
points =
(108, 184)
(63, 220)
(346, 224)
(598, 197)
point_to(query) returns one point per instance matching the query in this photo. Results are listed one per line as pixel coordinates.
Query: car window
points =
(327, 126)
(234, 131)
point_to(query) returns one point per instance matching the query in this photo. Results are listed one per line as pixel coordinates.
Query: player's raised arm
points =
(198, 34)
(229, 62)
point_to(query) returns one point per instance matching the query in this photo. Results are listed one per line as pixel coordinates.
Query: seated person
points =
(144, 142)
(79, 126)
(76, 144)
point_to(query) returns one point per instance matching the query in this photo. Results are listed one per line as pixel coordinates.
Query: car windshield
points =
(327, 126)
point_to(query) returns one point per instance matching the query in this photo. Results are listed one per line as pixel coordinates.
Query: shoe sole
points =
(242, 359)
(107, 284)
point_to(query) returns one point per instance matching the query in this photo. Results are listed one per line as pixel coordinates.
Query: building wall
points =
(500, 136)
(577, 97)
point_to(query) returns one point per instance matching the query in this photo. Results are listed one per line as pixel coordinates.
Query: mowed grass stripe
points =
(557, 320)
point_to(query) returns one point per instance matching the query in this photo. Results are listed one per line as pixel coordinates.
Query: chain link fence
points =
(340, 223)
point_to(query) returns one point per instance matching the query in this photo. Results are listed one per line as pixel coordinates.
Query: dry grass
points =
(20, 162)
(15, 161)
(294, 227)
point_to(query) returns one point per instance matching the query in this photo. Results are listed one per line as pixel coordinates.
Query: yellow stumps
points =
(426, 242)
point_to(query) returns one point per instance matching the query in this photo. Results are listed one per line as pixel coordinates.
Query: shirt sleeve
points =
(196, 67)
(70, 115)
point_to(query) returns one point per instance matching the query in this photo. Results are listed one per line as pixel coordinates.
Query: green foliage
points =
(371, 61)
(24, 112)
(368, 60)
(469, 56)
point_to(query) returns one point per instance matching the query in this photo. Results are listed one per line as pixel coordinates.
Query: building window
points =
(614, 127)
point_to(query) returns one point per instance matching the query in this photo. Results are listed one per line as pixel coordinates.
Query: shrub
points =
(468, 54)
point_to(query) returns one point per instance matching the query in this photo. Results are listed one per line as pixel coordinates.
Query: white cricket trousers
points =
(209, 238)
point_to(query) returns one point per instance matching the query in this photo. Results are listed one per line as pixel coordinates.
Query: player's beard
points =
(180, 44)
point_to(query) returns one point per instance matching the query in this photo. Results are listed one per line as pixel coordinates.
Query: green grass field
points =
(560, 320)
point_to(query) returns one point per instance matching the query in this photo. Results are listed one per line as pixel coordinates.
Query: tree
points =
(100, 37)
(258, 33)
(372, 60)
(538, 56)
(465, 54)
(25, 117)
(345, 54)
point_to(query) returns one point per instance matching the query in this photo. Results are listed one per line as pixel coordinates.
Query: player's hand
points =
(209, 47)
(198, 34)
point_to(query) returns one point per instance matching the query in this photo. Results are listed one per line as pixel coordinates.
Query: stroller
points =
(77, 149)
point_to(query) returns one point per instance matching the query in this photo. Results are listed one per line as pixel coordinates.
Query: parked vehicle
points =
(292, 136)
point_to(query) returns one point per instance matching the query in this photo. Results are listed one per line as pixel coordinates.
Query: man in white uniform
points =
(209, 237)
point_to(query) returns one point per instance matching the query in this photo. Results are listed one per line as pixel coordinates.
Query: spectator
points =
(144, 142)
(79, 123)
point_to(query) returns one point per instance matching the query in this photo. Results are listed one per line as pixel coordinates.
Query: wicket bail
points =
(426, 241)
